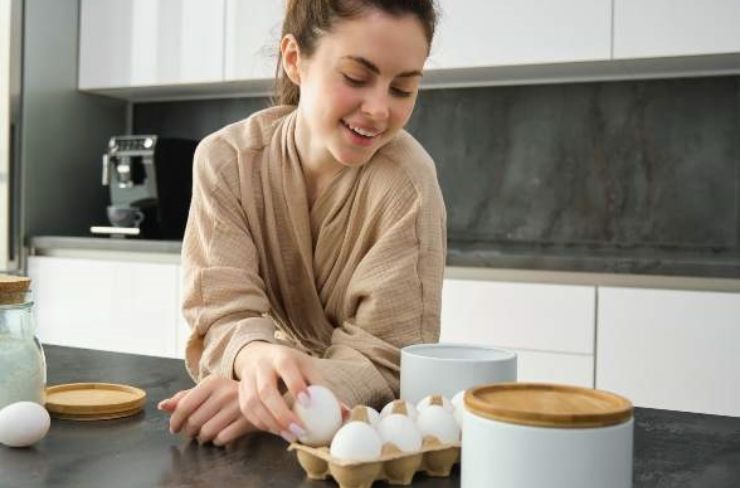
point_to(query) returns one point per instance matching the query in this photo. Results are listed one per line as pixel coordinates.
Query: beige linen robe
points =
(349, 281)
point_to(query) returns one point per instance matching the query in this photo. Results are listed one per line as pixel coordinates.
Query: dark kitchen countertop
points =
(481, 254)
(672, 449)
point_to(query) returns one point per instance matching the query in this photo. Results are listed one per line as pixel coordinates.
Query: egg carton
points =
(393, 466)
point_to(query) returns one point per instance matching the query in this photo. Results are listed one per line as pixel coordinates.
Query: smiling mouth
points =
(360, 132)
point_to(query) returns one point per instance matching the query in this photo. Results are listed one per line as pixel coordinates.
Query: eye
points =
(353, 81)
(400, 93)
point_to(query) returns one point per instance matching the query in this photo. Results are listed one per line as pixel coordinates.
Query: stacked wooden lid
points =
(94, 401)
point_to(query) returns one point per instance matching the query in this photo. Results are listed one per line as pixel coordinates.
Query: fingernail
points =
(296, 429)
(290, 438)
(303, 399)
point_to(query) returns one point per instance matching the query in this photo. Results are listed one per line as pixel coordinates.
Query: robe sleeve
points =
(393, 299)
(224, 301)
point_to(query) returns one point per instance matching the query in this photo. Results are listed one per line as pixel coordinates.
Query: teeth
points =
(362, 132)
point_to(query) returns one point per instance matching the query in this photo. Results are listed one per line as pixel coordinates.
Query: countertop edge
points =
(168, 252)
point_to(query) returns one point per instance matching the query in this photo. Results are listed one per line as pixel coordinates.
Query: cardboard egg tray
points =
(393, 466)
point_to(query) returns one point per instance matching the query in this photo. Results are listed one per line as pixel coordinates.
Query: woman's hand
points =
(209, 411)
(263, 369)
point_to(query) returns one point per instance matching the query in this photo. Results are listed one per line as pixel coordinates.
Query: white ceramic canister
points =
(528, 435)
(445, 369)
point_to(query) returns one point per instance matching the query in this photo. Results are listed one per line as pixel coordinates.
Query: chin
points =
(353, 159)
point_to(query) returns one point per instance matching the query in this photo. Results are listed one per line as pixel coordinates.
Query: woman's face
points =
(359, 88)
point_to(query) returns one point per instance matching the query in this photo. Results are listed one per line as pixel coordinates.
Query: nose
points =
(376, 104)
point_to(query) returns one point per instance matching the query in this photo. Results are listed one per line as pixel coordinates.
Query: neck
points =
(318, 165)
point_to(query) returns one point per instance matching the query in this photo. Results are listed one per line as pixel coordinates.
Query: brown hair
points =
(307, 20)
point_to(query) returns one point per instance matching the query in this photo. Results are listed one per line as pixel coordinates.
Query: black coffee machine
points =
(150, 183)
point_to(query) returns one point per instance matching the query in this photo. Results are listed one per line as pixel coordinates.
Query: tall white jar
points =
(526, 435)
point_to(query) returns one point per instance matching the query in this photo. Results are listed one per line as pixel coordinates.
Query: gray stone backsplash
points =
(631, 169)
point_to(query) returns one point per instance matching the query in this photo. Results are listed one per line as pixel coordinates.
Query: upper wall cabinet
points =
(252, 38)
(659, 28)
(154, 49)
(126, 43)
(478, 33)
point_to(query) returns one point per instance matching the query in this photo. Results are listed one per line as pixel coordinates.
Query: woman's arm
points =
(224, 299)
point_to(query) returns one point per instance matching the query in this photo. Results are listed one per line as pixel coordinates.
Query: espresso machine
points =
(150, 183)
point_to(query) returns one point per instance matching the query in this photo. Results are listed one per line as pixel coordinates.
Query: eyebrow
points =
(372, 67)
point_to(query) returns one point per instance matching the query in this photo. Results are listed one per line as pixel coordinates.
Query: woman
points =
(316, 242)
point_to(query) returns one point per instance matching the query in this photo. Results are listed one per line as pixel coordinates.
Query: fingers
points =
(207, 410)
(295, 381)
(188, 404)
(213, 426)
(235, 430)
(169, 404)
(252, 406)
(274, 401)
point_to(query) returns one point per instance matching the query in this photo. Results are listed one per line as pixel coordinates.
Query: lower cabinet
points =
(550, 327)
(109, 305)
(677, 350)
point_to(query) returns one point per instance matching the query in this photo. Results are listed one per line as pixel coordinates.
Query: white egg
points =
(321, 418)
(432, 400)
(458, 404)
(23, 424)
(401, 407)
(400, 430)
(363, 412)
(356, 441)
(438, 422)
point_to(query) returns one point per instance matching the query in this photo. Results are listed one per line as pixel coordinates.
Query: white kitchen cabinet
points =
(551, 367)
(550, 326)
(126, 43)
(660, 28)
(109, 305)
(252, 38)
(678, 350)
(478, 33)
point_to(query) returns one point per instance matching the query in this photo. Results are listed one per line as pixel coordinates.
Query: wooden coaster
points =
(94, 401)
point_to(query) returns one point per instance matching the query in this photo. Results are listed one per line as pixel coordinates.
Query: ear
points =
(290, 55)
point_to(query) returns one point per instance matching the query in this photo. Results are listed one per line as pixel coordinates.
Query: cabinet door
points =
(550, 327)
(677, 350)
(655, 28)
(475, 33)
(150, 42)
(107, 305)
(529, 316)
(252, 38)
(550, 367)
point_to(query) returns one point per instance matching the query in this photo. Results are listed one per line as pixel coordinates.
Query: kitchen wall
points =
(621, 168)
(63, 131)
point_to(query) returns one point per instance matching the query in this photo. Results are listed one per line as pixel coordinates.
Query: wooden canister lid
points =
(11, 283)
(548, 405)
(13, 289)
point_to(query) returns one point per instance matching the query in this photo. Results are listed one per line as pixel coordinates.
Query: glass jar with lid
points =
(22, 361)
